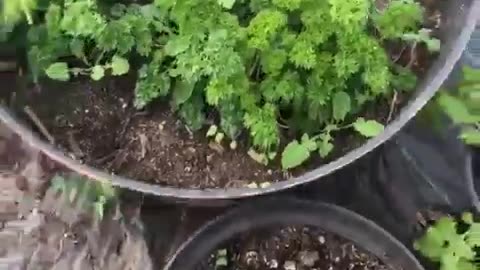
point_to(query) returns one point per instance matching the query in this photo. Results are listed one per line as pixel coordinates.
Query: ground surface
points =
(39, 230)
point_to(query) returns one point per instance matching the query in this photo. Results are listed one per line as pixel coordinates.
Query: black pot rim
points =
(429, 87)
(264, 213)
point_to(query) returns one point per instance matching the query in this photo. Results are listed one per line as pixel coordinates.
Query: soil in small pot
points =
(292, 248)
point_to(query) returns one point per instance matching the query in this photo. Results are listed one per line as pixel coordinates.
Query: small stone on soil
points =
(309, 258)
(273, 264)
(252, 185)
(265, 184)
(216, 147)
(321, 239)
(290, 265)
(252, 257)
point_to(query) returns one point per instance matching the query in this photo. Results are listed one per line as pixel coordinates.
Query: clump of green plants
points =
(463, 106)
(13, 11)
(301, 68)
(452, 243)
(84, 194)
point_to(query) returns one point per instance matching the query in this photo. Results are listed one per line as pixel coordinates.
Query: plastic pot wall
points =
(268, 213)
(458, 22)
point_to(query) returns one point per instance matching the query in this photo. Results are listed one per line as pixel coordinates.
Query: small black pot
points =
(291, 212)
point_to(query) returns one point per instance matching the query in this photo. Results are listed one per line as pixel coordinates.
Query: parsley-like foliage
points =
(463, 106)
(264, 65)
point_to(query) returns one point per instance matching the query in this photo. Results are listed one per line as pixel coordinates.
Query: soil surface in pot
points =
(293, 248)
(97, 124)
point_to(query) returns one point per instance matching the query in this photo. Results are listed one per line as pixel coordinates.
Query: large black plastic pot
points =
(458, 22)
(290, 212)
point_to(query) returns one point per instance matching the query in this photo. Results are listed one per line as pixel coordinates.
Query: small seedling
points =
(423, 36)
(463, 106)
(221, 259)
(86, 194)
(60, 70)
(453, 247)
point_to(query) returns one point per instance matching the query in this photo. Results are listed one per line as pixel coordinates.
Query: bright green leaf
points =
(58, 71)
(467, 218)
(325, 146)
(98, 72)
(120, 66)
(13, 10)
(433, 44)
(471, 136)
(310, 144)
(369, 129)
(294, 155)
(472, 237)
(77, 47)
(341, 105)
(228, 4)
(471, 74)
(456, 109)
(182, 92)
(106, 188)
(58, 183)
(99, 207)
(177, 45)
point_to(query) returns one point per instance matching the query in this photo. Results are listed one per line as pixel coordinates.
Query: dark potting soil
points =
(292, 248)
(97, 124)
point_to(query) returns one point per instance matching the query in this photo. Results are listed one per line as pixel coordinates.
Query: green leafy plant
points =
(265, 66)
(101, 41)
(86, 194)
(463, 106)
(423, 36)
(14, 11)
(452, 247)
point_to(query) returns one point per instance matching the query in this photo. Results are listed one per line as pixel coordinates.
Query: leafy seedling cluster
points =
(450, 245)
(87, 195)
(463, 106)
(277, 69)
